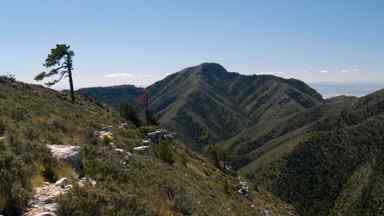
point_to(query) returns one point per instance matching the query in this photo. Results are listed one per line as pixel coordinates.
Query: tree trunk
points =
(69, 63)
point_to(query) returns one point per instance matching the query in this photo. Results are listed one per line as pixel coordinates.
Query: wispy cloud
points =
(144, 75)
(345, 71)
(324, 71)
(118, 75)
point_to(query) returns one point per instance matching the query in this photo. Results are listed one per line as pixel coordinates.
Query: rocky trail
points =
(44, 201)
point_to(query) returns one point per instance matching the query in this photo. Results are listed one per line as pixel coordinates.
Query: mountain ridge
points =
(322, 156)
(187, 96)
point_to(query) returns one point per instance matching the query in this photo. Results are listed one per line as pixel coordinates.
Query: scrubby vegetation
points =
(335, 168)
(218, 155)
(30, 118)
(165, 151)
(21, 161)
(167, 180)
(129, 113)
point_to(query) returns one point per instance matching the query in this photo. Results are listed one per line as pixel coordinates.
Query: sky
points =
(139, 42)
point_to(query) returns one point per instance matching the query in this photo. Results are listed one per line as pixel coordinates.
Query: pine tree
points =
(60, 60)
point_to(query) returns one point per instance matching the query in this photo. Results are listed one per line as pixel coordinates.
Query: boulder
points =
(68, 154)
(104, 134)
(267, 212)
(243, 188)
(119, 150)
(129, 155)
(146, 142)
(155, 136)
(122, 151)
(63, 183)
(141, 148)
(107, 128)
(86, 181)
(160, 135)
(123, 125)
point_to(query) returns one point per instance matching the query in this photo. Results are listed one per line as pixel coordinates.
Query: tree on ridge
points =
(61, 64)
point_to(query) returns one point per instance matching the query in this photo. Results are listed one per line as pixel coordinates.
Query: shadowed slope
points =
(335, 166)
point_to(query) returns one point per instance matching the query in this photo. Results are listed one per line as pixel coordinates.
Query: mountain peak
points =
(208, 66)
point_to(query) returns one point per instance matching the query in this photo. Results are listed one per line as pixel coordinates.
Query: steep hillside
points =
(206, 103)
(115, 95)
(170, 181)
(335, 166)
(254, 142)
(322, 156)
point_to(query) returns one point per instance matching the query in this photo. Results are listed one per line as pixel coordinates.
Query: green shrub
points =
(184, 159)
(164, 151)
(129, 114)
(15, 187)
(217, 154)
(18, 164)
(2, 127)
(150, 118)
(89, 201)
(81, 201)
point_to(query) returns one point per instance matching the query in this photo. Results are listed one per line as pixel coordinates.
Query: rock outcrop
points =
(141, 148)
(104, 133)
(68, 154)
(159, 135)
(243, 188)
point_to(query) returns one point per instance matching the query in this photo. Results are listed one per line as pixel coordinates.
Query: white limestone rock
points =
(68, 154)
(141, 148)
(87, 181)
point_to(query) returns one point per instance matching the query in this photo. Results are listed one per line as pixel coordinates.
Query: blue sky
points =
(139, 42)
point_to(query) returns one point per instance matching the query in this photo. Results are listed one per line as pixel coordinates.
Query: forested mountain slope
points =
(207, 104)
(255, 141)
(335, 166)
(114, 95)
